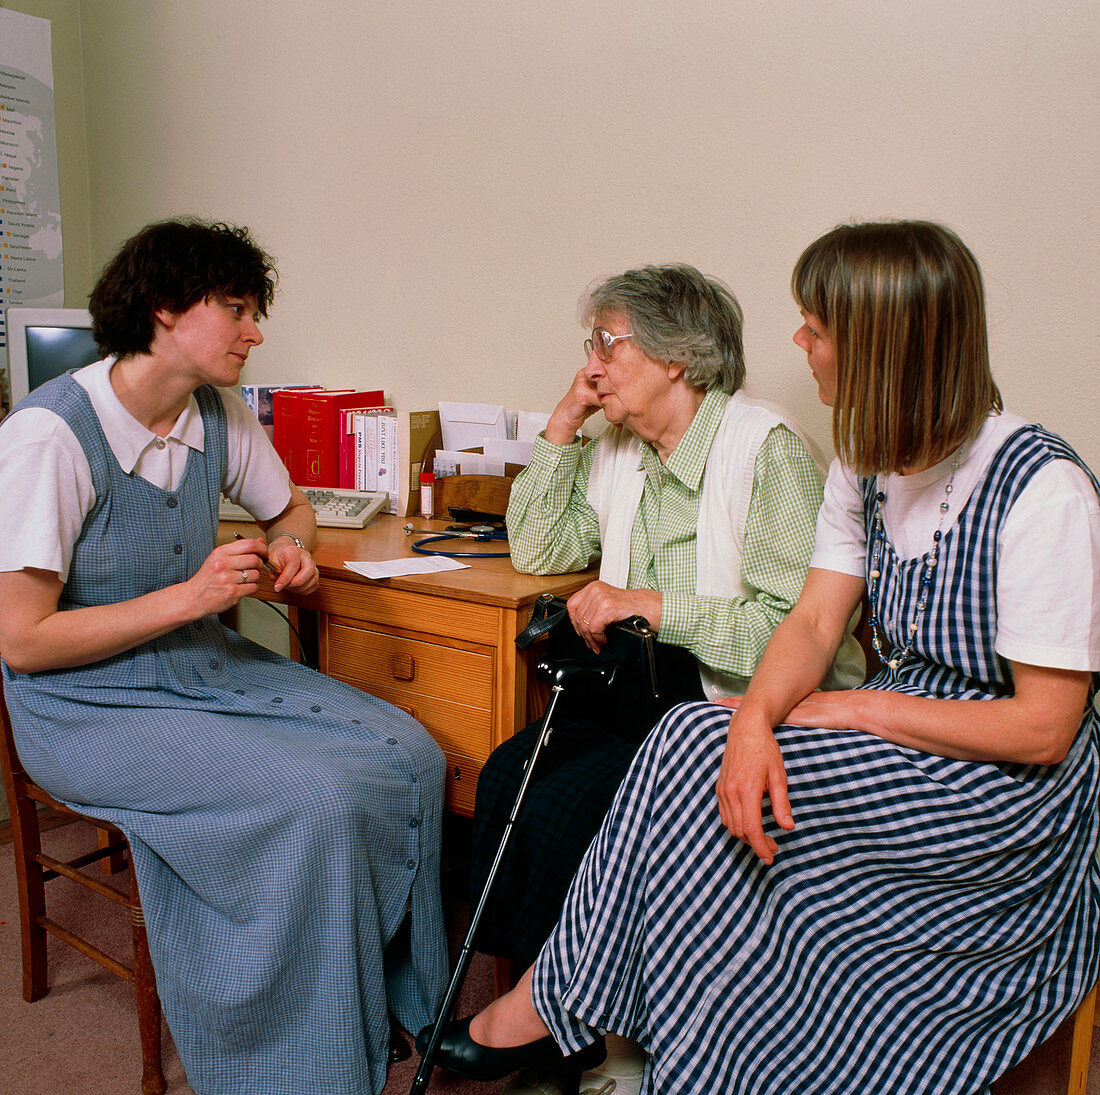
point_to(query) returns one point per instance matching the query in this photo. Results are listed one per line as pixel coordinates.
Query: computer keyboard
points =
(333, 507)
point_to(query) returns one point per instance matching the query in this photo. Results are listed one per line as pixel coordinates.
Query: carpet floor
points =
(81, 1039)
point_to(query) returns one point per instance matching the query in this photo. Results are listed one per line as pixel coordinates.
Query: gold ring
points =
(584, 619)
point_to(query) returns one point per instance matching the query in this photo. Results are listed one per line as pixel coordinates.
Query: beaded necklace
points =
(931, 557)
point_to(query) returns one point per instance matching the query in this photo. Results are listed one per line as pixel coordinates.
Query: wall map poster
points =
(31, 270)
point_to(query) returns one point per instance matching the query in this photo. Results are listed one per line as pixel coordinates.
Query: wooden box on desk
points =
(485, 494)
(440, 646)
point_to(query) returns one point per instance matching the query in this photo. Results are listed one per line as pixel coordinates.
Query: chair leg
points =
(112, 864)
(1083, 1021)
(26, 843)
(502, 976)
(148, 1002)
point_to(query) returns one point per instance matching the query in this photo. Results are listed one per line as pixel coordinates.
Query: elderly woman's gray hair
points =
(677, 314)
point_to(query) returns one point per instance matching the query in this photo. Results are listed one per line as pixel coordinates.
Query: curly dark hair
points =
(172, 265)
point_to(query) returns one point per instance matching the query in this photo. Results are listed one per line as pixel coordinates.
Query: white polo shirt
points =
(46, 483)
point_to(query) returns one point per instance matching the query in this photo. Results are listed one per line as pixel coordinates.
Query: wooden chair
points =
(1084, 1020)
(34, 868)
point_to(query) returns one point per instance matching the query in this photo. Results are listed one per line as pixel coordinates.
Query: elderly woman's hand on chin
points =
(578, 405)
(598, 605)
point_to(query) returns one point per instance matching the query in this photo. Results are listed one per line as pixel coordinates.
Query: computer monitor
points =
(45, 342)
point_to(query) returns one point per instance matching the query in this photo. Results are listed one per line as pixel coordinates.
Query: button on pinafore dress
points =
(284, 826)
(926, 923)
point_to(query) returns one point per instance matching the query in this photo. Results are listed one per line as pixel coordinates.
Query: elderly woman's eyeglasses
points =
(602, 342)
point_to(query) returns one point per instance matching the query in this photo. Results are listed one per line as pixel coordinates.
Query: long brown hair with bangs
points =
(905, 309)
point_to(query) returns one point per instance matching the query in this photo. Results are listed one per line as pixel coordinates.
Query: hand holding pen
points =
(266, 562)
(301, 578)
(248, 576)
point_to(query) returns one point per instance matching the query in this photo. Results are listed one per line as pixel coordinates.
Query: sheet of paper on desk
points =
(394, 568)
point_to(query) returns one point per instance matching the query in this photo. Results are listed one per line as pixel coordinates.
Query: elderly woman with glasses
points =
(700, 505)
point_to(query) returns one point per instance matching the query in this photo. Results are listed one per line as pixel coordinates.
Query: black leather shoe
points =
(400, 1050)
(459, 1053)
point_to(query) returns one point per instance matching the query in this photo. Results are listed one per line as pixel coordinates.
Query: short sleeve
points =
(1048, 572)
(840, 543)
(255, 477)
(45, 491)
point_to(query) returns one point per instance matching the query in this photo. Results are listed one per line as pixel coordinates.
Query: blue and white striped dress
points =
(927, 922)
(284, 826)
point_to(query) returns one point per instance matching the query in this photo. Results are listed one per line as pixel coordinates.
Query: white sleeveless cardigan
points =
(615, 492)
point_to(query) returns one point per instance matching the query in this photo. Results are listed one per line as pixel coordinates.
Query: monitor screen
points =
(45, 342)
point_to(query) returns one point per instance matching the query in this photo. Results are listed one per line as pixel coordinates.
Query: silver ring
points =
(244, 577)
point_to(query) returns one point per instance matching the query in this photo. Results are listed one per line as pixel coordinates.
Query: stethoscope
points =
(480, 533)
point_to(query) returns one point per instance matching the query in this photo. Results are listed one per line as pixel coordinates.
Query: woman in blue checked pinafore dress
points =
(920, 905)
(284, 826)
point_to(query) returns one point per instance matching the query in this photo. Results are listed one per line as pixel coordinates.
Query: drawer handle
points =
(402, 667)
(456, 775)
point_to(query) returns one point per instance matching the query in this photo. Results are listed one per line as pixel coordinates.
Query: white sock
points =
(624, 1057)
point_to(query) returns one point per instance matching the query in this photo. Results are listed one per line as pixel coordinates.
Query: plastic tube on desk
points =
(427, 492)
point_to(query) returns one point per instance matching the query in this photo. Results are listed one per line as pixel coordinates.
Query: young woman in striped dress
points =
(895, 888)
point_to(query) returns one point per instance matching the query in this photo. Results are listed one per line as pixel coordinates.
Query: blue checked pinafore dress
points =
(284, 826)
(927, 922)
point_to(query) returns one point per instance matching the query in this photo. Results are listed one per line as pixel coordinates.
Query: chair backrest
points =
(18, 785)
(10, 764)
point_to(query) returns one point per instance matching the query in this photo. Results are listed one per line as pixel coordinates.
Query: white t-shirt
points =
(46, 483)
(1048, 560)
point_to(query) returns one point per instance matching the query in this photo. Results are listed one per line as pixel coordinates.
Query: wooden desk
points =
(440, 646)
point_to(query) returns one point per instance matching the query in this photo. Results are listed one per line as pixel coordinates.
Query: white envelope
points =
(511, 452)
(529, 424)
(466, 425)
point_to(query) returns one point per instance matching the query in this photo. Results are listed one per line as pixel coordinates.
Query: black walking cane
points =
(557, 673)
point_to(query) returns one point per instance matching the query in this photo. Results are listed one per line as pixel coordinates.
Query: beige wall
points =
(440, 179)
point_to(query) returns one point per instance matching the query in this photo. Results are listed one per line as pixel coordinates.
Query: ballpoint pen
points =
(267, 563)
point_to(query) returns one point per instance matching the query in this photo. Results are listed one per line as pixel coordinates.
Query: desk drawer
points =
(466, 729)
(461, 783)
(427, 669)
(447, 688)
